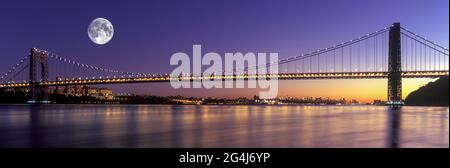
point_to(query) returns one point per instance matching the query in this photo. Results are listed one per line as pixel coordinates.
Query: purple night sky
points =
(147, 32)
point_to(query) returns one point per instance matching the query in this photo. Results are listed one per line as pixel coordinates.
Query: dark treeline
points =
(135, 99)
(433, 94)
(22, 97)
(13, 97)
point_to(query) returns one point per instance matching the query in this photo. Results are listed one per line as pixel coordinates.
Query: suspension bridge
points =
(393, 52)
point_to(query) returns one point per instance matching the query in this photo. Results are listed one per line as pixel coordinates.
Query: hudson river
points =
(156, 126)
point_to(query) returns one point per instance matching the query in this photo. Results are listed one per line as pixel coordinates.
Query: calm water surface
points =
(222, 126)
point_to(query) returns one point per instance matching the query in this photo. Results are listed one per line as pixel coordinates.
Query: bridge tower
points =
(38, 94)
(395, 68)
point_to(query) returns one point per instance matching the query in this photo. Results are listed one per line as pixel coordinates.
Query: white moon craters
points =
(100, 31)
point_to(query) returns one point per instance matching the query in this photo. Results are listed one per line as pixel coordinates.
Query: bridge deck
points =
(287, 76)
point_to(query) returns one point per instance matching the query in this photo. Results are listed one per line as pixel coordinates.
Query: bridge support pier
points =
(395, 66)
(38, 94)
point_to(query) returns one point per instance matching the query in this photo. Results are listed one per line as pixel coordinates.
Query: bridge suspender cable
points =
(415, 59)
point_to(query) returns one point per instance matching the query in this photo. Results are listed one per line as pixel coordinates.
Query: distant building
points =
(19, 89)
(83, 90)
(104, 94)
(354, 101)
(187, 101)
(379, 102)
(257, 100)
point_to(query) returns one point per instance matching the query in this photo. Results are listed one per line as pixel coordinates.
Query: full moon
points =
(100, 31)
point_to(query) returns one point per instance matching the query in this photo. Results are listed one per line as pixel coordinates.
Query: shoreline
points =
(100, 104)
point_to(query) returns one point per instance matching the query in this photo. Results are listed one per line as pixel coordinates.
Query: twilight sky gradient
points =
(147, 33)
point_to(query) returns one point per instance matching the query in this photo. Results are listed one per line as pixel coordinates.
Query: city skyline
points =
(147, 38)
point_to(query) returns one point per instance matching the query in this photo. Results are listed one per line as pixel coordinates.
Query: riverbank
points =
(433, 94)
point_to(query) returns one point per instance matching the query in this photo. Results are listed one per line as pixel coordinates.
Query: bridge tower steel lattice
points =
(394, 67)
(38, 58)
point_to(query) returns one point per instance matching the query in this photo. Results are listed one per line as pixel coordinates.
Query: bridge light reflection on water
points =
(216, 126)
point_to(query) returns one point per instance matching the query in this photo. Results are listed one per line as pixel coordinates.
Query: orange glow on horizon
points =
(364, 90)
